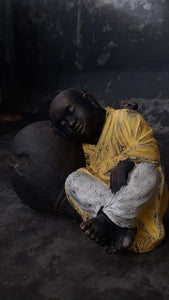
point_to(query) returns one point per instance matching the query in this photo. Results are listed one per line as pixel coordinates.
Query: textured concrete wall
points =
(54, 35)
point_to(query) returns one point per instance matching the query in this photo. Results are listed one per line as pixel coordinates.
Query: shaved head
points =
(76, 114)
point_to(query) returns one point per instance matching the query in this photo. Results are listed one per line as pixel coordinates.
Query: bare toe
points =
(82, 226)
(85, 224)
(89, 231)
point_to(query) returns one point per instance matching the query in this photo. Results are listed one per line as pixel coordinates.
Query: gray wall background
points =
(42, 36)
(116, 49)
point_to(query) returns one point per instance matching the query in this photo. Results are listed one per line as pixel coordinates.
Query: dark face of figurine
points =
(77, 115)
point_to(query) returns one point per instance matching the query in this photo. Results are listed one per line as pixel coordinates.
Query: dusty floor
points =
(47, 258)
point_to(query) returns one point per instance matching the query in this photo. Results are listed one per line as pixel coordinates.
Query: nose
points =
(71, 122)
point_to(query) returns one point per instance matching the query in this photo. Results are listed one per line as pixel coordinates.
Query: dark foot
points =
(122, 238)
(119, 174)
(99, 229)
(105, 233)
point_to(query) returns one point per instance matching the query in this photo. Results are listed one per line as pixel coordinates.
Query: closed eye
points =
(69, 110)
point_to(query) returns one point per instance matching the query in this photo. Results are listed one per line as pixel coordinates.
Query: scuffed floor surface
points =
(47, 258)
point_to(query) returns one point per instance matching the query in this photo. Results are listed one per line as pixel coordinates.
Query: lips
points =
(78, 127)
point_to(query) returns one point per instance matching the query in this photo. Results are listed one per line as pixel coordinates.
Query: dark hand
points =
(119, 174)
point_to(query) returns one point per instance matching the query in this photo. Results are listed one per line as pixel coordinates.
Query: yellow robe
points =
(127, 135)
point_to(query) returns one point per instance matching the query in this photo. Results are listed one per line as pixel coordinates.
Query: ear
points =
(90, 99)
(87, 96)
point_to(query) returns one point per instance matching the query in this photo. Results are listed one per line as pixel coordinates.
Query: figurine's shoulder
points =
(128, 115)
(129, 123)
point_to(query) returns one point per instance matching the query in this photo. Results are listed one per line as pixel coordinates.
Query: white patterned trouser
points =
(122, 207)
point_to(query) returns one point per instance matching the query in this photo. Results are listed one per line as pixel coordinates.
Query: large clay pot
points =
(40, 160)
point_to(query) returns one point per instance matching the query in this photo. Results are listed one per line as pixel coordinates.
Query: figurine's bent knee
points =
(129, 201)
(145, 177)
(89, 193)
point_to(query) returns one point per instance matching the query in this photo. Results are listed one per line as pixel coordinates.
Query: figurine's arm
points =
(119, 174)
